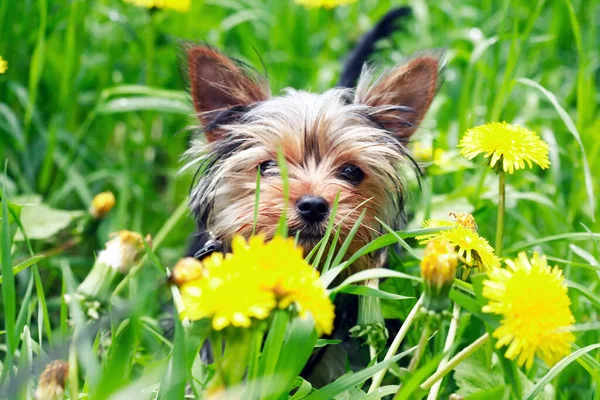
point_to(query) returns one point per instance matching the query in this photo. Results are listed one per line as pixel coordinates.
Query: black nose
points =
(312, 208)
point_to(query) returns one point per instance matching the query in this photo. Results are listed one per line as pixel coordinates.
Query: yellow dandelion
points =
(438, 269)
(422, 151)
(3, 65)
(441, 158)
(177, 5)
(101, 204)
(532, 299)
(324, 3)
(474, 250)
(513, 144)
(254, 279)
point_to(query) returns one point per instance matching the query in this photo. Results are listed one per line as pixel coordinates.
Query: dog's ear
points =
(217, 83)
(400, 98)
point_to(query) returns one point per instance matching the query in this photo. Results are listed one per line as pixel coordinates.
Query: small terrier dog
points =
(345, 140)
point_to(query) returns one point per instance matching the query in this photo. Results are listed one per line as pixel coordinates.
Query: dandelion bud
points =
(52, 381)
(438, 269)
(122, 251)
(186, 270)
(120, 255)
(101, 204)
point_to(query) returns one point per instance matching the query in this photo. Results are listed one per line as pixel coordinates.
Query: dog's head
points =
(344, 141)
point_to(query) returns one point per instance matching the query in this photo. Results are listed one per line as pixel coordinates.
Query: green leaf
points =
(325, 342)
(300, 340)
(144, 103)
(304, 389)
(25, 264)
(41, 221)
(475, 375)
(371, 292)
(271, 350)
(350, 380)
(173, 384)
(554, 371)
(497, 393)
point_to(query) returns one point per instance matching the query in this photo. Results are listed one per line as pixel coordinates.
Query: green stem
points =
(447, 346)
(418, 354)
(501, 206)
(378, 377)
(457, 359)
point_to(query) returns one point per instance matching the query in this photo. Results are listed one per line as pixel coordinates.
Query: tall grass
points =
(93, 101)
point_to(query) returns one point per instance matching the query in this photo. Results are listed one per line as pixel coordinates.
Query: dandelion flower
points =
(422, 151)
(177, 5)
(52, 381)
(101, 204)
(474, 250)
(438, 269)
(3, 65)
(324, 3)
(254, 279)
(514, 145)
(532, 299)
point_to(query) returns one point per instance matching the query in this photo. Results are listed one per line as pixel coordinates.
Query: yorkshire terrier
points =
(348, 141)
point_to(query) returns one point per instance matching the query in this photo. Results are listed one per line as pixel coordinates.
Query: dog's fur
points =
(244, 127)
(319, 134)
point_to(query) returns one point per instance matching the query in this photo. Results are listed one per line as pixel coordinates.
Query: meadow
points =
(92, 101)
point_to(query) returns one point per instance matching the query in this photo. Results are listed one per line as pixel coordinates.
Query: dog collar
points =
(212, 245)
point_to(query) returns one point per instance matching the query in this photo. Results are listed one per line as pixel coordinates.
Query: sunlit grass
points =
(92, 101)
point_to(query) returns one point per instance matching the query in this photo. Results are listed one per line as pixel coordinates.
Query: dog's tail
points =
(360, 54)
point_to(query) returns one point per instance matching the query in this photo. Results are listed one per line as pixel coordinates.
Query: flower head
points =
(474, 250)
(532, 299)
(177, 5)
(254, 279)
(52, 381)
(3, 65)
(512, 144)
(101, 204)
(438, 269)
(324, 3)
(186, 270)
(122, 251)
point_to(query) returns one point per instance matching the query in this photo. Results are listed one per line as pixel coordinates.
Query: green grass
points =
(93, 101)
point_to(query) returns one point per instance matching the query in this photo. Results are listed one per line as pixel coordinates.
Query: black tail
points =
(357, 58)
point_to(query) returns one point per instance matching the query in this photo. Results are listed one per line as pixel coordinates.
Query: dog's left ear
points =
(401, 97)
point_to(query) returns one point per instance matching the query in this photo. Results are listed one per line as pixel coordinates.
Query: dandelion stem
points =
(378, 377)
(447, 345)
(501, 206)
(457, 359)
(418, 354)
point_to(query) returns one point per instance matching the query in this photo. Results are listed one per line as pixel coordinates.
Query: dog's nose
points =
(312, 208)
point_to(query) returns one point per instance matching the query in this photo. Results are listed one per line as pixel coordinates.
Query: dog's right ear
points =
(217, 83)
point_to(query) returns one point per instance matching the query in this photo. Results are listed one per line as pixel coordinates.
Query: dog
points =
(345, 143)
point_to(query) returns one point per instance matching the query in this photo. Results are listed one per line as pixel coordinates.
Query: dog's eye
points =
(266, 166)
(352, 174)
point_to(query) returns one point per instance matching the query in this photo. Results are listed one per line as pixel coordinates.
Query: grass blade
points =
(589, 183)
(554, 371)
